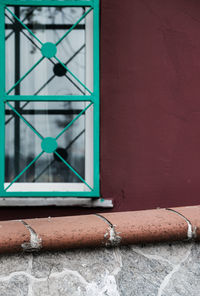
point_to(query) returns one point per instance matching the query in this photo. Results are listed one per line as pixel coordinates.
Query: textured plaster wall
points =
(150, 106)
(161, 269)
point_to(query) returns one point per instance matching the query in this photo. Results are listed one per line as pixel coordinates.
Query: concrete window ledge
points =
(96, 230)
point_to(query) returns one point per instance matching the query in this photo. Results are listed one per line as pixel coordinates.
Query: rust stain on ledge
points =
(109, 230)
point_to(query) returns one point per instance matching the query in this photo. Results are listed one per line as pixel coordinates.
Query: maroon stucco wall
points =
(150, 106)
(150, 94)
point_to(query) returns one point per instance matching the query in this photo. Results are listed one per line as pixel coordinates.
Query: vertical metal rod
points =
(17, 92)
(2, 92)
(96, 95)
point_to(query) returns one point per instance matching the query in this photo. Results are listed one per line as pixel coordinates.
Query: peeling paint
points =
(35, 243)
(106, 234)
(194, 231)
(114, 238)
(189, 232)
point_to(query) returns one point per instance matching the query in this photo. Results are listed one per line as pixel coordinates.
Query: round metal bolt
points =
(49, 145)
(59, 70)
(48, 50)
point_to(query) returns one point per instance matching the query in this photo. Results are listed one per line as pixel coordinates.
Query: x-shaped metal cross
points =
(42, 145)
(46, 48)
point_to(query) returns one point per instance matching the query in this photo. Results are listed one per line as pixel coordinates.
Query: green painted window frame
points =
(93, 97)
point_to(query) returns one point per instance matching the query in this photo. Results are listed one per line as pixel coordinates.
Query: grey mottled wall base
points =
(161, 269)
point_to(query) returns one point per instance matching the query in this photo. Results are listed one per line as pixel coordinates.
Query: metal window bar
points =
(46, 26)
(8, 36)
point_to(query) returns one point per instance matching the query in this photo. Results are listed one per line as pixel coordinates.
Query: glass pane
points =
(23, 51)
(48, 120)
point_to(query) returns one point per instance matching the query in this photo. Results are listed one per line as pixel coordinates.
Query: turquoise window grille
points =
(30, 146)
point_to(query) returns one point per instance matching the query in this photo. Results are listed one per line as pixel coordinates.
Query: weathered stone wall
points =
(161, 269)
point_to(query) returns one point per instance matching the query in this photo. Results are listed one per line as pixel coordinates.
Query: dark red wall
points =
(150, 103)
(150, 106)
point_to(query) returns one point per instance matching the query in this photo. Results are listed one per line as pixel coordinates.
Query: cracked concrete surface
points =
(156, 269)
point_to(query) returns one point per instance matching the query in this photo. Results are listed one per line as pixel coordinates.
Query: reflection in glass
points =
(48, 24)
(23, 144)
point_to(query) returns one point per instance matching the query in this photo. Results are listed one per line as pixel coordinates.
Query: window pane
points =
(23, 51)
(49, 120)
